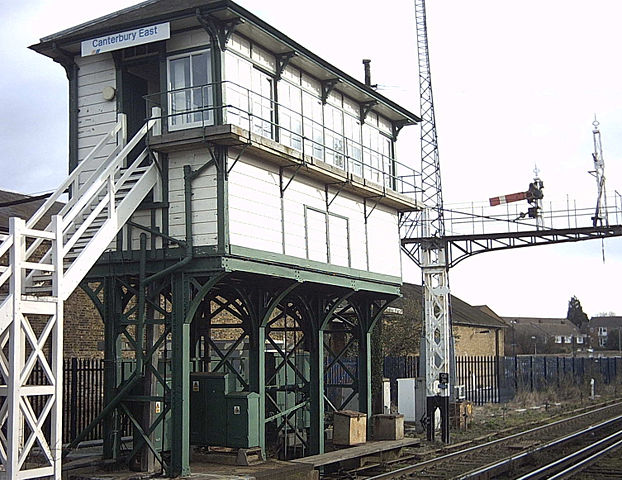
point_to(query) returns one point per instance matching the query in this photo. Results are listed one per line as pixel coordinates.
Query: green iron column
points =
(112, 367)
(369, 311)
(180, 373)
(316, 392)
(257, 378)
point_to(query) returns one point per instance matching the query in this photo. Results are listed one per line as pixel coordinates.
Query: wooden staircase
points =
(44, 267)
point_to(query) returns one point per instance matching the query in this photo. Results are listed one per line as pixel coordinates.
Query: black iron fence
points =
(485, 380)
(83, 396)
(537, 373)
(489, 379)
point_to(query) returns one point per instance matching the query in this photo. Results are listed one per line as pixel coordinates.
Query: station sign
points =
(130, 38)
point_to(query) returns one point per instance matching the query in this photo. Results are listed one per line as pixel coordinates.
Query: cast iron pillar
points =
(180, 373)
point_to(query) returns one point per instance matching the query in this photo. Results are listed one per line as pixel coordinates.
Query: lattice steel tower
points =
(433, 250)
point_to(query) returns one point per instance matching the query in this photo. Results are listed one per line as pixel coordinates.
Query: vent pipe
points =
(367, 67)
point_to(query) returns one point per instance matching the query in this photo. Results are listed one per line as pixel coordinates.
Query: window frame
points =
(171, 91)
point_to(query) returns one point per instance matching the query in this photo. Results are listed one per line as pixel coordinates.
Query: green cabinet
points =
(221, 418)
(207, 405)
(242, 419)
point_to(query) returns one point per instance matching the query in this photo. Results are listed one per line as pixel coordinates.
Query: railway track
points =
(519, 454)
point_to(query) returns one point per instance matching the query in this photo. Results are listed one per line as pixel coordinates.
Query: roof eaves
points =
(414, 119)
(75, 29)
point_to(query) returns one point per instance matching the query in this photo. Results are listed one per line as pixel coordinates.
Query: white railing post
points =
(122, 136)
(156, 113)
(15, 422)
(111, 195)
(56, 421)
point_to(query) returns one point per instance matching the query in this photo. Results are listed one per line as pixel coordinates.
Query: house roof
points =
(543, 326)
(610, 322)
(14, 204)
(183, 15)
(462, 313)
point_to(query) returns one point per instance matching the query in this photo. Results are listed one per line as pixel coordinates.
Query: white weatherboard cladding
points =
(143, 217)
(204, 213)
(348, 206)
(384, 242)
(255, 219)
(316, 235)
(96, 116)
(188, 39)
(255, 207)
(299, 193)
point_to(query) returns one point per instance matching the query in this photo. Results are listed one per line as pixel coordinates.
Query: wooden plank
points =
(370, 448)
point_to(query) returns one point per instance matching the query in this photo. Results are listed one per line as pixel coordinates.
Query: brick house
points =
(605, 332)
(84, 330)
(540, 335)
(477, 329)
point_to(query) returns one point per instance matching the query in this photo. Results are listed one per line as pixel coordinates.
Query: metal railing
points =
(194, 107)
(482, 219)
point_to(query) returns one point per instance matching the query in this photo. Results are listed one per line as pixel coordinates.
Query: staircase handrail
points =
(95, 185)
(85, 192)
(121, 125)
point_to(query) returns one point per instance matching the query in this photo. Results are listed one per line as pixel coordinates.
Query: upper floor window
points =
(602, 331)
(190, 95)
(248, 94)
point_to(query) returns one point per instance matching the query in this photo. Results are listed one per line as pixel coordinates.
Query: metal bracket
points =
(195, 173)
(219, 31)
(282, 60)
(327, 87)
(367, 214)
(64, 58)
(246, 145)
(339, 190)
(283, 188)
(397, 126)
(365, 108)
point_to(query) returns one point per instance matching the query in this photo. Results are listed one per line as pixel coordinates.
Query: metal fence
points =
(537, 373)
(489, 379)
(486, 379)
(83, 396)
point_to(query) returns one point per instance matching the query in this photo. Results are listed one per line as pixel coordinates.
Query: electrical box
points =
(411, 399)
(242, 429)
(207, 404)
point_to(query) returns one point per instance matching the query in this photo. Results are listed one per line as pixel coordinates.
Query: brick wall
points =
(84, 329)
(477, 341)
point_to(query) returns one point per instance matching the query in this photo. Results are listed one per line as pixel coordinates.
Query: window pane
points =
(191, 97)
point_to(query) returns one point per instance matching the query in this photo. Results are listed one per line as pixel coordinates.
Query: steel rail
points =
(595, 452)
(419, 466)
(492, 468)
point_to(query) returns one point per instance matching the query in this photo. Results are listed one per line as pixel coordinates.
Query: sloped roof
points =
(610, 322)
(543, 326)
(183, 15)
(14, 204)
(462, 313)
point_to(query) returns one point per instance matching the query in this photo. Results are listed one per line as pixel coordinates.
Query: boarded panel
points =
(384, 242)
(204, 206)
(255, 206)
(316, 235)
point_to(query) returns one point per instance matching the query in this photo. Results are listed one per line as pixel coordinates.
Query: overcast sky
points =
(515, 84)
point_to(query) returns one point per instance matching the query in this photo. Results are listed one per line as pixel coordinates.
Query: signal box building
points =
(234, 214)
